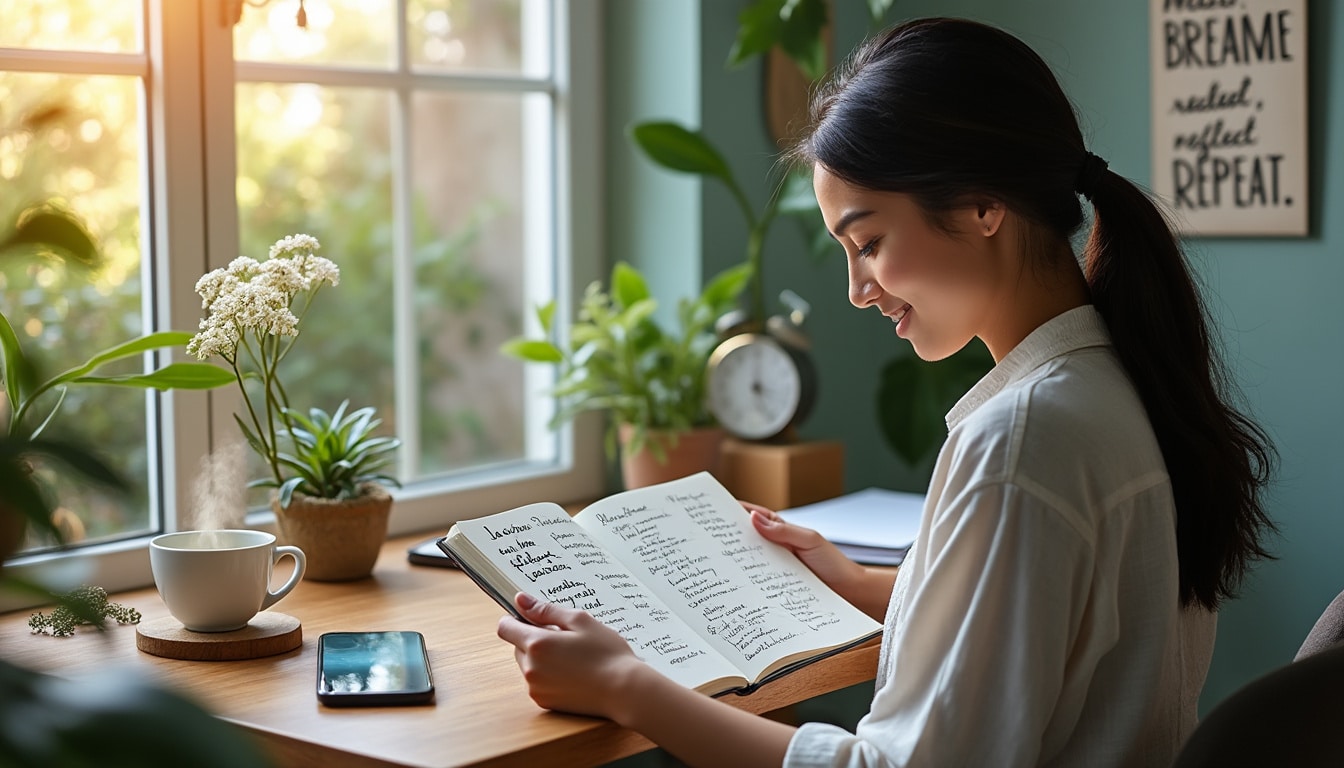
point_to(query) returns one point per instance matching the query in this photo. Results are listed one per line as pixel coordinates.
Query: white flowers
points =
(252, 296)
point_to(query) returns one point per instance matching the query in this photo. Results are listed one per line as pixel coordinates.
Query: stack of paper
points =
(874, 526)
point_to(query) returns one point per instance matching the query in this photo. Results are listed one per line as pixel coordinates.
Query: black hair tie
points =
(1089, 174)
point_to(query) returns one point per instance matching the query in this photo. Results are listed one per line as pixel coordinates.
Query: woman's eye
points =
(867, 250)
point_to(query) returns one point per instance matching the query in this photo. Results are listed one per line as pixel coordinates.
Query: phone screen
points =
(372, 668)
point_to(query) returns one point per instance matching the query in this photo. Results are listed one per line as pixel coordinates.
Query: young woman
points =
(1097, 496)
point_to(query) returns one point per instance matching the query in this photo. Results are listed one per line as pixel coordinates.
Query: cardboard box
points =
(784, 475)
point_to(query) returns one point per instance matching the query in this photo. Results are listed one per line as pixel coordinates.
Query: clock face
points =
(755, 387)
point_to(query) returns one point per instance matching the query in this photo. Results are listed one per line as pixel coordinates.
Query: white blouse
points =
(1036, 620)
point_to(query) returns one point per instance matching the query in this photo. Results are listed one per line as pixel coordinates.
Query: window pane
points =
(111, 26)
(507, 36)
(77, 141)
(345, 32)
(317, 160)
(472, 229)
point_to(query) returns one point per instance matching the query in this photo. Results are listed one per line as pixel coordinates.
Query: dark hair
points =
(952, 111)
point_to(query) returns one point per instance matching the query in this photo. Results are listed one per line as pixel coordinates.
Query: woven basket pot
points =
(340, 538)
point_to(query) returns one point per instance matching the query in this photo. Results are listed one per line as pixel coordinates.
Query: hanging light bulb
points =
(302, 16)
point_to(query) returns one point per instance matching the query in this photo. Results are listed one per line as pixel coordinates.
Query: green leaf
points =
(286, 492)
(796, 195)
(49, 230)
(171, 376)
(125, 349)
(800, 35)
(532, 351)
(758, 30)
(251, 437)
(726, 286)
(914, 396)
(16, 370)
(546, 316)
(83, 462)
(627, 285)
(680, 149)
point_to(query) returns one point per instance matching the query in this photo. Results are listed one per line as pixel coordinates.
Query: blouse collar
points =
(1076, 329)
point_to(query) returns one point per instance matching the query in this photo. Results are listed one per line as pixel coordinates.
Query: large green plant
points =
(796, 28)
(678, 148)
(617, 358)
(48, 232)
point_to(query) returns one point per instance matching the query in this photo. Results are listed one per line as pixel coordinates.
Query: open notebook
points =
(677, 570)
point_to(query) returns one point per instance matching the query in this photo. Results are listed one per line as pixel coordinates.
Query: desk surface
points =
(482, 716)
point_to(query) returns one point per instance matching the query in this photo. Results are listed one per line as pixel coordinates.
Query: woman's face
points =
(939, 288)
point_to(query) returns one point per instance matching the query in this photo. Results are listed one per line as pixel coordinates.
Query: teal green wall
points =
(652, 51)
(1275, 301)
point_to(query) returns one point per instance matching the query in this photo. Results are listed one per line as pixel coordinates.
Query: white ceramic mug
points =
(216, 581)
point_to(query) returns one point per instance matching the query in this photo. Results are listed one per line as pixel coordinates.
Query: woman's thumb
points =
(540, 612)
(781, 532)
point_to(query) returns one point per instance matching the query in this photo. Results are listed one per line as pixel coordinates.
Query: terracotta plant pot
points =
(686, 454)
(340, 538)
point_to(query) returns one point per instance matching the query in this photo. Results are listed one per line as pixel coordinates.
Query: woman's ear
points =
(989, 216)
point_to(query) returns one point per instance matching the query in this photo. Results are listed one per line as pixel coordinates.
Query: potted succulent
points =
(330, 498)
(618, 359)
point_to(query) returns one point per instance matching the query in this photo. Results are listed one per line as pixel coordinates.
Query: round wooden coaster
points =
(267, 634)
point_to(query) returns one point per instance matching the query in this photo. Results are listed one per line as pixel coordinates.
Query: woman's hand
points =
(866, 589)
(570, 661)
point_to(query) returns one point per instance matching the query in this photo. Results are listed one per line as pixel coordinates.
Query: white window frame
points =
(193, 217)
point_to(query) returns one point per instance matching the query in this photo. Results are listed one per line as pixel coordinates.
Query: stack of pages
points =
(873, 526)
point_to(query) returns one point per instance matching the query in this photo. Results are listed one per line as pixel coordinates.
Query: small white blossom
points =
(317, 270)
(294, 246)
(252, 296)
(283, 275)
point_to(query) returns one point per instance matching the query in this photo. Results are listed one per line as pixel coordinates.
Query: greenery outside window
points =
(429, 145)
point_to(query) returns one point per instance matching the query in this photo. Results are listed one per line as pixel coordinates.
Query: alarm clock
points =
(761, 382)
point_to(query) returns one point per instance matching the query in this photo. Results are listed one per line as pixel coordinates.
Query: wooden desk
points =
(482, 716)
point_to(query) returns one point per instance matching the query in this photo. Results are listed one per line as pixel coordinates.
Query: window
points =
(430, 145)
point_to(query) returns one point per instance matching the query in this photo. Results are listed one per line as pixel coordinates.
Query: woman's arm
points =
(868, 589)
(574, 663)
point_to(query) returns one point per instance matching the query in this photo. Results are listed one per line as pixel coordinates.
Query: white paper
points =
(874, 517)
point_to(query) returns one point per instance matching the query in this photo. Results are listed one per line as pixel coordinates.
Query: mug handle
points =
(300, 564)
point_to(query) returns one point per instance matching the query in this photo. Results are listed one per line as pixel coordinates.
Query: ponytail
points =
(1219, 461)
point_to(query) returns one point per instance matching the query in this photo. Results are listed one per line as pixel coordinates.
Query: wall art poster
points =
(1229, 91)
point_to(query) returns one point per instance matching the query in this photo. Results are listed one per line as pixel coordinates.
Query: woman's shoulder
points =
(1075, 427)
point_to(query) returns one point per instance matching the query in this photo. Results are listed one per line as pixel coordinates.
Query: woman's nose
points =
(863, 290)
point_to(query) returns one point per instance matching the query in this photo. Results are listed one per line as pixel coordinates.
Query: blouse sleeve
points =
(979, 660)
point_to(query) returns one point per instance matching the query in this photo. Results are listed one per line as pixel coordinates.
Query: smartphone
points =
(358, 669)
(427, 552)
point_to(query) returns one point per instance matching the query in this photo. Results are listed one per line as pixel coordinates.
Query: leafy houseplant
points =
(330, 499)
(796, 27)
(913, 394)
(618, 359)
(336, 455)
(47, 232)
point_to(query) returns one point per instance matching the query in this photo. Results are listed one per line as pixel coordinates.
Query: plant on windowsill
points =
(330, 498)
(650, 380)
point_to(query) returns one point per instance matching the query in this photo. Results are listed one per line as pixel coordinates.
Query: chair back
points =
(1328, 631)
(1289, 717)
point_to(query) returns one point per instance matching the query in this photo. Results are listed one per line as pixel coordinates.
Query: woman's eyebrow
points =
(846, 220)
